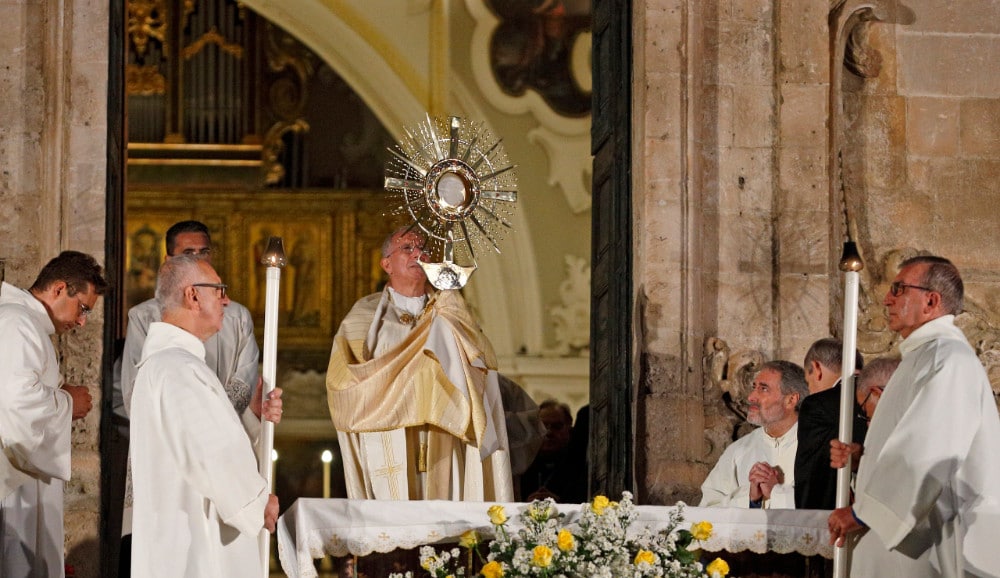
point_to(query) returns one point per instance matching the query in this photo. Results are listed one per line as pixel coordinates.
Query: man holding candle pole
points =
(927, 488)
(413, 391)
(231, 353)
(199, 501)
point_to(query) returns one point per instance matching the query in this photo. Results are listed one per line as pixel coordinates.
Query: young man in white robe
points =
(758, 470)
(36, 410)
(199, 501)
(928, 485)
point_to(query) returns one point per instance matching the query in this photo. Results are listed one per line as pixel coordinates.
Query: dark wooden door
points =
(611, 259)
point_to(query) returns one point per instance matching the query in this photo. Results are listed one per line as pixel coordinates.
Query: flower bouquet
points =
(601, 544)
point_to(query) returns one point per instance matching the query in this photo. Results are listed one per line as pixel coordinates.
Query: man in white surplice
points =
(412, 388)
(36, 410)
(199, 501)
(758, 470)
(928, 485)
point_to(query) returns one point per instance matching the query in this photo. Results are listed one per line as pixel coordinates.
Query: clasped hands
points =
(763, 478)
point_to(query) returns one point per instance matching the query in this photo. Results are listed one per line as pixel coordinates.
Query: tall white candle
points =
(327, 457)
(274, 258)
(850, 263)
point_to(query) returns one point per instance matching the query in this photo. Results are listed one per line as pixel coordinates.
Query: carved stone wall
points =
(52, 175)
(759, 153)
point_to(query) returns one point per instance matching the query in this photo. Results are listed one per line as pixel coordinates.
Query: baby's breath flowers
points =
(600, 543)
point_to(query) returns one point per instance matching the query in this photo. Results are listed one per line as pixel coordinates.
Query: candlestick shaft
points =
(846, 431)
(268, 371)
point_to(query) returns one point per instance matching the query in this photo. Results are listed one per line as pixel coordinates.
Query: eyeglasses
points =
(219, 287)
(407, 248)
(205, 251)
(861, 408)
(84, 310)
(897, 288)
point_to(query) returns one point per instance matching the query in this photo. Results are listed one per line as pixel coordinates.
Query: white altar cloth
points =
(312, 528)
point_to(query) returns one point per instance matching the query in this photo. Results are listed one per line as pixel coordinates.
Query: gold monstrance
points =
(453, 178)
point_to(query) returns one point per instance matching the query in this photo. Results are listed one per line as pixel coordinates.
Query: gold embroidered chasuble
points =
(422, 419)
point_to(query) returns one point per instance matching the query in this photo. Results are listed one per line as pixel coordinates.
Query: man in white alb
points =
(412, 389)
(927, 486)
(199, 501)
(36, 410)
(758, 470)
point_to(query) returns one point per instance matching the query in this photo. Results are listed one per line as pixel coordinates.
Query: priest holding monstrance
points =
(412, 382)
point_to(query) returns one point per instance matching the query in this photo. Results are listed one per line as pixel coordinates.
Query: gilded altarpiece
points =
(332, 241)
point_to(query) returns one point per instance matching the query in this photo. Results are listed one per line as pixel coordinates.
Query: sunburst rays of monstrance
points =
(453, 178)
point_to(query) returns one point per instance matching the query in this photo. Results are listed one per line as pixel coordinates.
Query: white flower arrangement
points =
(600, 545)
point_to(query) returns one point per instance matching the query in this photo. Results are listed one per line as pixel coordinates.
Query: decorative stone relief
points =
(510, 81)
(728, 376)
(572, 317)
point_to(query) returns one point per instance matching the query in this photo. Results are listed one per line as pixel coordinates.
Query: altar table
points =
(313, 528)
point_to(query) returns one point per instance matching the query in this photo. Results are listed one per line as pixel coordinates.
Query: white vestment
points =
(728, 484)
(382, 459)
(231, 353)
(199, 499)
(35, 417)
(928, 483)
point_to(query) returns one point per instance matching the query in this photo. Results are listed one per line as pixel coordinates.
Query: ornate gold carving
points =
(212, 37)
(274, 144)
(146, 19)
(144, 80)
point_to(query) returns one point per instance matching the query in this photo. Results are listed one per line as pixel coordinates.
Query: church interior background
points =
(761, 134)
(255, 134)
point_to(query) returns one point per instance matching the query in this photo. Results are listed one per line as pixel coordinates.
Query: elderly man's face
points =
(767, 404)
(868, 401)
(213, 299)
(908, 310)
(403, 261)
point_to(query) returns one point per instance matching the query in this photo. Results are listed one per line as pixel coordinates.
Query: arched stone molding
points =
(395, 100)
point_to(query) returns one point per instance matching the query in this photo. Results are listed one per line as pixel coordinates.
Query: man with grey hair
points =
(927, 488)
(819, 422)
(870, 385)
(413, 391)
(757, 470)
(199, 501)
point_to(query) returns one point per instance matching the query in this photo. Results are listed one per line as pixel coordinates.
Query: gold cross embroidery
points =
(391, 468)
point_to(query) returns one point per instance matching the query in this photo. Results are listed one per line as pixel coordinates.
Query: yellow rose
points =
(566, 542)
(599, 505)
(718, 567)
(425, 563)
(645, 556)
(497, 515)
(492, 570)
(542, 556)
(469, 539)
(702, 530)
